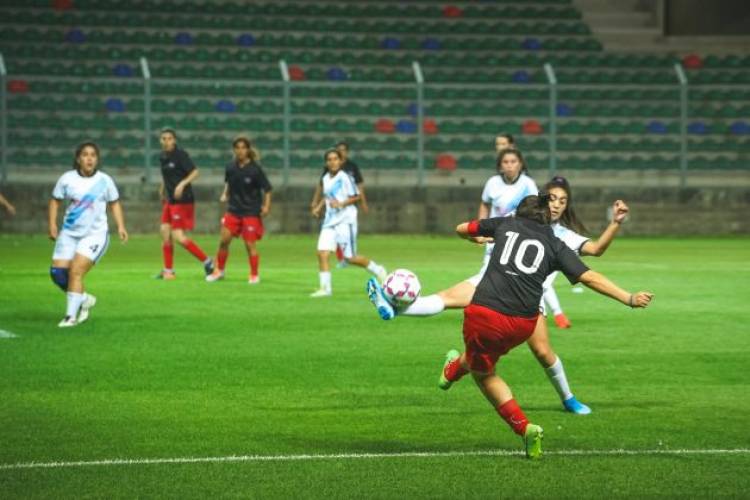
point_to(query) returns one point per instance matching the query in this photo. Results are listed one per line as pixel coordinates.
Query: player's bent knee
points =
(60, 277)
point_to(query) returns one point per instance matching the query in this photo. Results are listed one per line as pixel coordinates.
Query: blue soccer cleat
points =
(574, 406)
(375, 293)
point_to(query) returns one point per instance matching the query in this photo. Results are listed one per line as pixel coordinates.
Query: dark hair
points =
(534, 207)
(329, 151)
(343, 143)
(569, 218)
(80, 149)
(167, 130)
(254, 153)
(507, 136)
(514, 151)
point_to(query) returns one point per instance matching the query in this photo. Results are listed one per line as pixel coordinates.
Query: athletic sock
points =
(453, 371)
(425, 306)
(374, 268)
(74, 303)
(194, 249)
(325, 280)
(221, 259)
(254, 263)
(550, 296)
(556, 374)
(514, 416)
(167, 250)
(339, 254)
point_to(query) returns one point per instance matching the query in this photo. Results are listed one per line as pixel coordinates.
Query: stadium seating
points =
(216, 74)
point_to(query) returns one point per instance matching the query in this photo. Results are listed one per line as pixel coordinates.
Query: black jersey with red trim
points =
(525, 253)
(175, 166)
(247, 184)
(350, 168)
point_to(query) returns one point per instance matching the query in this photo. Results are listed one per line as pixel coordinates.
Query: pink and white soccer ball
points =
(401, 288)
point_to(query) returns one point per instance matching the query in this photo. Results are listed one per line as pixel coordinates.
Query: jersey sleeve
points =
(352, 186)
(226, 173)
(487, 227)
(58, 192)
(111, 194)
(356, 173)
(186, 161)
(569, 263)
(486, 192)
(265, 184)
(573, 240)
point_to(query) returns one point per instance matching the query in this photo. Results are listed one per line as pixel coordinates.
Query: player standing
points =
(505, 307)
(84, 237)
(248, 191)
(178, 213)
(339, 227)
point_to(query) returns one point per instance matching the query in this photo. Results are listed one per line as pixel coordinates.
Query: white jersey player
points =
(84, 237)
(339, 227)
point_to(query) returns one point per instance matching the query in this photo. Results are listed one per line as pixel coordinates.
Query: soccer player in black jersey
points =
(505, 306)
(248, 191)
(178, 172)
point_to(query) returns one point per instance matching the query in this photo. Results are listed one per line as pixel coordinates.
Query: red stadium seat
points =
(531, 127)
(446, 162)
(692, 61)
(430, 127)
(18, 86)
(452, 11)
(385, 126)
(296, 73)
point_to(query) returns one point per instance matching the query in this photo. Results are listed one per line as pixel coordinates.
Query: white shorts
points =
(341, 235)
(474, 280)
(92, 246)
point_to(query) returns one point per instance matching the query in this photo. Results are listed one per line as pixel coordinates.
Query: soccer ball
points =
(401, 288)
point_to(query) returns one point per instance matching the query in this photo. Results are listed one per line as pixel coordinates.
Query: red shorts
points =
(179, 215)
(250, 228)
(490, 334)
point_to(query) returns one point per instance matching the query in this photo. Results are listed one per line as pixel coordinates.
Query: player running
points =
(339, 226)
(178, 213)
(504, 310)
(459, 296)
(248, 191)
(84, 237)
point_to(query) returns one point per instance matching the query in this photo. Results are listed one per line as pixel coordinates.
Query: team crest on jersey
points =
(248, 180)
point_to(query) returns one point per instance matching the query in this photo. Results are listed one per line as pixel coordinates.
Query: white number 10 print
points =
(510, 243)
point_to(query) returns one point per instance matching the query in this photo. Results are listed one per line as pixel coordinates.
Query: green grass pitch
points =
(172, 370)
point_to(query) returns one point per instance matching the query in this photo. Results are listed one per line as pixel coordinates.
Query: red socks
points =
(194, 249)
(221, 259)
(339, 253)
(454, 371)
(254, 262)
(513, 415)
(167, 251)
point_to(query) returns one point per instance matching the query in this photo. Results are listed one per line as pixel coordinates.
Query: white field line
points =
(359, 456)
(5, 334)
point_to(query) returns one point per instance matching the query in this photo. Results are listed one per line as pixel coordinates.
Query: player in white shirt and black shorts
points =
(84, 237)
(339, 227)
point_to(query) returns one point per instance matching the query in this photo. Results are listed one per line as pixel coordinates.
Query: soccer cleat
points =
(67, 322)
(443, 382)
(254, 279)
(532, 439)
(215, 276)
(86, 305)
(375, 293)
(165, 275)
(208, 266)
(574, 406)
(322, 292)
(562, 321)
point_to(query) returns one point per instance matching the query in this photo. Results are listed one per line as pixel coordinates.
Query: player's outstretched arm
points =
(224, 194)
(600, 283)
(8, 205)
(53, 208)
(597, 248)
(116, 209)
(463, 231)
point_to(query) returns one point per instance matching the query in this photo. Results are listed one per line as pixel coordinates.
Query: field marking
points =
(359, 456)
(5, 334)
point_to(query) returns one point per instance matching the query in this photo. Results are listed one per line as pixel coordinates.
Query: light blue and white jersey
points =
(572, 240)
(339, 187)
(504, 198)
(87, 211)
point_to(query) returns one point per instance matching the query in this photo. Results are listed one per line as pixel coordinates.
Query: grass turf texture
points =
(194, 369)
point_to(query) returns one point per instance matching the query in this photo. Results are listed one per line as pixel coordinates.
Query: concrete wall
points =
(655, 210)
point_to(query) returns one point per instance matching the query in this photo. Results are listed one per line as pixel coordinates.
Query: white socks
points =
(325, 280)
(74, 303)
(425, 306)
(550, 297)
(556, 374)
(375, 268)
